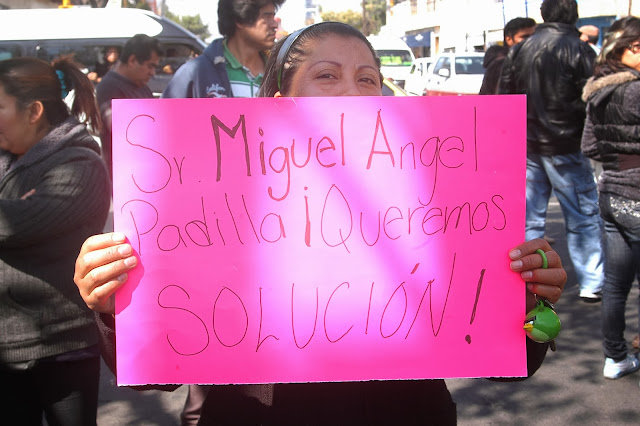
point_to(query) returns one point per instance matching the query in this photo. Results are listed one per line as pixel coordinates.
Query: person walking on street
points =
(612, 136)
(551, 67)
(516, 31)
(126, 80)
(231, 66)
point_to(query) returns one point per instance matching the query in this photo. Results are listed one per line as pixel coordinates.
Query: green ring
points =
(545, 262)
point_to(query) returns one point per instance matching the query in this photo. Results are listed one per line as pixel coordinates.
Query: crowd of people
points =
(581, 106)
(54, 186)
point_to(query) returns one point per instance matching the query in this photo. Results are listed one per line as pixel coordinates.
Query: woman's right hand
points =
(101, 269)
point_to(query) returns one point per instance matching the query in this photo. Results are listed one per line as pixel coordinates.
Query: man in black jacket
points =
(551, 67)
(516, 31)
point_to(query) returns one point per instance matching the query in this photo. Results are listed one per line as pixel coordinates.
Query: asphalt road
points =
(568, 390)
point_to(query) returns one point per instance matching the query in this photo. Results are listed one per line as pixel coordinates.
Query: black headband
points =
(284, 50)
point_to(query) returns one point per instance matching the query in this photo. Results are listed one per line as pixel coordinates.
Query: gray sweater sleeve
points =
(67, 194)
(588, 144)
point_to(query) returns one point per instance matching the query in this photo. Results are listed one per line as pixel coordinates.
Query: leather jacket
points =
(551, 67)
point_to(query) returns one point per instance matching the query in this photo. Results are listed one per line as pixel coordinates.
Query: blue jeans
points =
(571, 178)
(622, 247)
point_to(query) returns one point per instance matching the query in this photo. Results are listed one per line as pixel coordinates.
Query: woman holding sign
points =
(327, 59)
(54, 193)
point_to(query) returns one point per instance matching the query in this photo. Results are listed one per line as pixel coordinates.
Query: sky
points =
(291, 12)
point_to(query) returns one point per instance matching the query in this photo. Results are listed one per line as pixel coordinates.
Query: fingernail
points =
(124, 250)
(122, 278)
(516, 264)
(526, 275)
(118, 237)
(130, 261)
(514, 254)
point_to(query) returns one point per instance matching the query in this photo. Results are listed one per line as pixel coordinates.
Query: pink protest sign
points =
(320, 239)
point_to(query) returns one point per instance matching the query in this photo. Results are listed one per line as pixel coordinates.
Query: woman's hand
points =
(101, 268)
(547, 283)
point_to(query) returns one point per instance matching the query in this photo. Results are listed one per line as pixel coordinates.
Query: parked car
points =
(456, 74)
(87, 33)
(416, 83)
(395, 56)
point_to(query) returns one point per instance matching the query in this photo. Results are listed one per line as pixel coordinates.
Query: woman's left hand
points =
(546, 283)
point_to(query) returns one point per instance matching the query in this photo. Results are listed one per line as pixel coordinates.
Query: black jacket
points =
(612, 131)
(551, 67)
(493, 60)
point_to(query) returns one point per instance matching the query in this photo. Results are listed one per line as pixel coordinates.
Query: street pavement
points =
(569, 389)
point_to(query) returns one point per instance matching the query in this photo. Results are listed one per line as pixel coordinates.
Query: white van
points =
(88, 32)
(416, 83)
(456, 74)
(395, 56)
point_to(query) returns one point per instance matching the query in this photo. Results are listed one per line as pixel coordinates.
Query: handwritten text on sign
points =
(326, 239)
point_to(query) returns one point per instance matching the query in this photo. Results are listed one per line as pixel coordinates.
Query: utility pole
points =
(630, 3)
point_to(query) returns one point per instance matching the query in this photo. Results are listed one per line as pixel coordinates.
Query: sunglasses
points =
(634, 48)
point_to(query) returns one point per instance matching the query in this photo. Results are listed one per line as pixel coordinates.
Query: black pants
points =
(65, 392)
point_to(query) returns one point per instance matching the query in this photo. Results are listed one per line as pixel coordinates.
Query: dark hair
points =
(31, 79)
(140, 46)
(562, 11)
(246, 12)
(280, 66)
(622, 34)
(515, 25)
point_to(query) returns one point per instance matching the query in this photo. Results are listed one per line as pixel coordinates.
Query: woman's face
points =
(14, 125)
(337, 66)
(631, 56)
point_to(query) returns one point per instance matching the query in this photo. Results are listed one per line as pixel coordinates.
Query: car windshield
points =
(393, 58)
(469, 65)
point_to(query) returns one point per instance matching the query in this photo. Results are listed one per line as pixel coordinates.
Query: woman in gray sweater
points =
(612, 137)
(54, 193)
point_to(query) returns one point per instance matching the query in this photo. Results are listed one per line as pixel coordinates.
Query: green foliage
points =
(192, 23)
(195, 25)
(376, 16)
(350, 17)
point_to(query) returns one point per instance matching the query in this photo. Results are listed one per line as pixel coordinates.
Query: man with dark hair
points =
(551, 67)
(231, 66)
(126, 80)
(515, 31)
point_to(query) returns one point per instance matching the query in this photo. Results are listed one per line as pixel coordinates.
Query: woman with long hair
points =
(54, 193)
(612, 137)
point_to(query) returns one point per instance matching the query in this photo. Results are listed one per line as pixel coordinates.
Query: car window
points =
(87, 56)
(10, 51)
(173, 56)
(469, 65)
(394, 57)
(442, 64)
